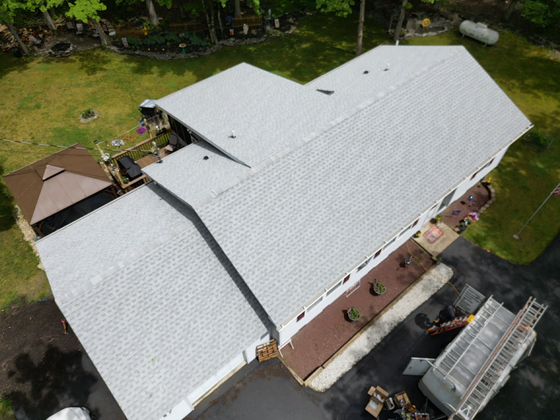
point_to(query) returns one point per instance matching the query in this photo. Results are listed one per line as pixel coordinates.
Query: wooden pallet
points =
(267, 351)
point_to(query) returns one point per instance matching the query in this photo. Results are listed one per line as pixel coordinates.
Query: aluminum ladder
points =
(458, 347)
(517, 334)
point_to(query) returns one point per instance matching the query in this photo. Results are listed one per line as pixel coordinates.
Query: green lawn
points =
(524, 178)
(42, 99)
(6, 412)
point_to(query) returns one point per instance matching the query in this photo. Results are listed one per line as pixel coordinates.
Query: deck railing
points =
(143, 148)
(192, 27)
(255, 20)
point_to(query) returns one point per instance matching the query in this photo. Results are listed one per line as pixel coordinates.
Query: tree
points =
(87, 10)
(343, 8)
(209, 13)
(398, 29)
(152, 12)
(237, 12)
(361, 26)
(44, 6)
(538, 12)
(7, 11)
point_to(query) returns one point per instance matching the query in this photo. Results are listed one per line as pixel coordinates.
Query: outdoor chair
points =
(173, 143)
(79, 28)
(70, 25)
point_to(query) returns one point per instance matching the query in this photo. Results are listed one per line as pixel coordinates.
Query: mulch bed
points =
(319, 340)
(43, 370)
(463, 206)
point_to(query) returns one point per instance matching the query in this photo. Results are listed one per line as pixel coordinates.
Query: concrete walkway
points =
(449, 236)
(368, 338)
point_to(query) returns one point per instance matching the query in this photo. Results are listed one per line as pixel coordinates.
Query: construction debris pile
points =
(32, 37)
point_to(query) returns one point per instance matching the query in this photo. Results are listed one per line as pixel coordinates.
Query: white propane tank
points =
(479, 31)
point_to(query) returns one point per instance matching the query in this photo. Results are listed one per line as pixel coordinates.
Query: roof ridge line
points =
(326, 127)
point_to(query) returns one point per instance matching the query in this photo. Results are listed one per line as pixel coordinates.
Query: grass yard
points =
(524, 178)
(42, 99)
(6, 412)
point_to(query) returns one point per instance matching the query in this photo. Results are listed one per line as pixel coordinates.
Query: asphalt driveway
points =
(267, 391)
(43, 370)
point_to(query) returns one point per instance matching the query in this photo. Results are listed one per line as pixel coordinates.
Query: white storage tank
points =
(479, 31)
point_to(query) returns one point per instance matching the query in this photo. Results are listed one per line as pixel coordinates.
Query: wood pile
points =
(29, 36)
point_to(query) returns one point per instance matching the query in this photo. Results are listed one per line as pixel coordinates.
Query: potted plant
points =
(418, 234)
(438, 218)
(378, 287)
(353, 314)
(88, 113)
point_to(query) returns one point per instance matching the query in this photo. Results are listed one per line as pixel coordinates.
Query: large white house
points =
(285, 196)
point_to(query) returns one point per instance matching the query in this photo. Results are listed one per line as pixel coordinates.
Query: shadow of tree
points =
(7, 219)
(57, 381)
(93, 61)
(9, 63)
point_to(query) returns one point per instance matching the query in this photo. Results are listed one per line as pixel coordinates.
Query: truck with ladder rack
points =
(478, 362)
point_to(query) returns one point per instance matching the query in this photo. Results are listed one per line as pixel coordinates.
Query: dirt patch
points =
(43, 370)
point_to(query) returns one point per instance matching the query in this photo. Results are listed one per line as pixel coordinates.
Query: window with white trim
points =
(336, 286)
(388, 244)
(314, 304)
(362, 265)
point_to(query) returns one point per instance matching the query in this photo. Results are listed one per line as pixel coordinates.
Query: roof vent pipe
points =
(233, 134)
(387, 68)
(397, 43)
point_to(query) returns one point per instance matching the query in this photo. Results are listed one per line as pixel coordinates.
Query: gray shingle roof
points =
(267, 112)
(166, 309)
(366, 77)
(193, 178)
(300, 223)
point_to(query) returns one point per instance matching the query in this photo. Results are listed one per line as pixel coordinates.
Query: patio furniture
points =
(129, 167)
(70, 25)
(79, 28)
(173, 143)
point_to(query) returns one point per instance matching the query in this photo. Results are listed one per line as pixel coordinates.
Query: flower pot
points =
(353, 314)
(378, 288)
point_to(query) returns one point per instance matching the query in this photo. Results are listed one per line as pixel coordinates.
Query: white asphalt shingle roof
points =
(366, 77)
(299, 224)
(196, 173)
(267, 112)
(159, 313)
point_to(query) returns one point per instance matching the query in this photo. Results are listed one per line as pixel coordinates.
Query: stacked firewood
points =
(29, 36)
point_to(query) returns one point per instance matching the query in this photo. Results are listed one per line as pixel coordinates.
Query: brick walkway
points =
(330, 330)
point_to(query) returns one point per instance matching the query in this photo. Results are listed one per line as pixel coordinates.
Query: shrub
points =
(536, 140)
